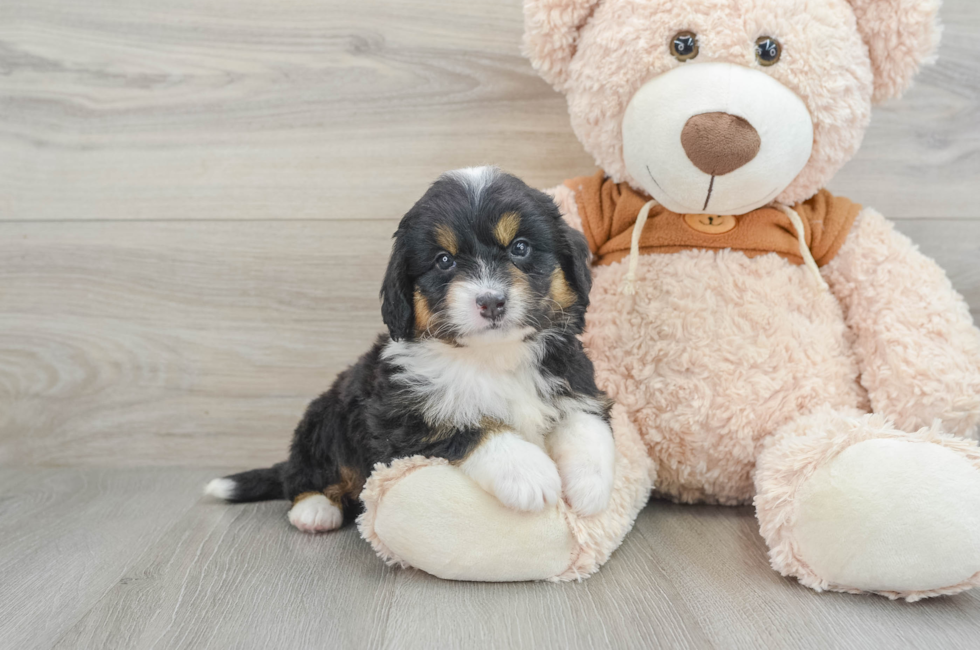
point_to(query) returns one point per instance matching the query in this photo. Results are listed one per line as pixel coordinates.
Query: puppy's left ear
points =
(576, 260)
(397, 308)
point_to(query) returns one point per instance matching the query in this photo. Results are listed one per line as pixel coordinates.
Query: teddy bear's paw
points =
(519, 473)
(890, 515)
(315, 514)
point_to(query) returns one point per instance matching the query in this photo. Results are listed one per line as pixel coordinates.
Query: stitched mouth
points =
(771, 194)
(711, 187)
(659, 187)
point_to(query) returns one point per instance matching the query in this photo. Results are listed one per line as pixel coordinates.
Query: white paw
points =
(584, 450)
(587, 485)
(315, 514)
(519, 473)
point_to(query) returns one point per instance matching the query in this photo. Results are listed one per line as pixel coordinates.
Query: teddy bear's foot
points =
(851, 504)
(427, 513)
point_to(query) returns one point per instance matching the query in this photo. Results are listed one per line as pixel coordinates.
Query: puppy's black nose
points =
(491, 304)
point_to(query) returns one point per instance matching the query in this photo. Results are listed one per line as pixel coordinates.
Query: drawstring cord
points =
(804, 249)
(629, 284)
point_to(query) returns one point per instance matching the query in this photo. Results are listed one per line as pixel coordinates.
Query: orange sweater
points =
(609, 210)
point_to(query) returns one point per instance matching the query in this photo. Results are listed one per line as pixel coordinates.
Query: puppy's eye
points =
(767, 50)
(684, 46)
(520, 248)
(445, 261)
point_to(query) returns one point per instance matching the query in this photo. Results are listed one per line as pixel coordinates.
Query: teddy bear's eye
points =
(684, 46)
(767, 50)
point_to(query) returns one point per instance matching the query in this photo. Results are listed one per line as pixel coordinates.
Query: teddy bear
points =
(765, 341)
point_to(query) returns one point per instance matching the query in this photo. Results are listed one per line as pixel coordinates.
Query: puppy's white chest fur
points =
(462, 386)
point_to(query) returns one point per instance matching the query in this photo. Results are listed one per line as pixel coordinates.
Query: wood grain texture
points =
(67, 536)
(136, 559)
(196, 200)
(200, 343)
(322, 109)
(192, 343)
(163, 343)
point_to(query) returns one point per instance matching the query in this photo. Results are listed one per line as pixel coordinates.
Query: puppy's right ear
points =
(397, 309)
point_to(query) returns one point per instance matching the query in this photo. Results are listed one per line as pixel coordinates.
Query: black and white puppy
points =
(485, 292)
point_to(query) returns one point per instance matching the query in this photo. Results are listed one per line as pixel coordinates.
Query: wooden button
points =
(711, 224)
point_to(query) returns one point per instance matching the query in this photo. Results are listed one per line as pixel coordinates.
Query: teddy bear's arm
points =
(916, 344)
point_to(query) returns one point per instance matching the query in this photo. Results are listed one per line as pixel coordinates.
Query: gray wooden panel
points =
(200, 343)
(128, 570)
(323, 109)
(241, 577)
(245, 109)
(67, 536)
(717, 562)
(161, 343)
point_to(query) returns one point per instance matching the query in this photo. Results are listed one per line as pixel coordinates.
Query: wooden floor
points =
(196, 200)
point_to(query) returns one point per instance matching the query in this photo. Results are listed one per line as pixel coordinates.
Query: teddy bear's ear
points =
(901, 35)
(551, 30)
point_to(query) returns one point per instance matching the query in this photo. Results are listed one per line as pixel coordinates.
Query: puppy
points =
(484, 294)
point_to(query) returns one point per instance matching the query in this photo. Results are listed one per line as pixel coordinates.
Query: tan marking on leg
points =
(350, 485)
(560, 292)
(446, 238)
(423, 315)
(305, 495)
(506, 228)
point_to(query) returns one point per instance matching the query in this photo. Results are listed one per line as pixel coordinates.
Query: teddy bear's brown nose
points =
(719, 143)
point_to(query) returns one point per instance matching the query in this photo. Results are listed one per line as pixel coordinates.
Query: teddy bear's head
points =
(723, 106)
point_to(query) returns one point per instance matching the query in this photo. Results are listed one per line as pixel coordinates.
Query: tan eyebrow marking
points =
(446, 238)
(423, 315)
(506, 228)
(561, 293)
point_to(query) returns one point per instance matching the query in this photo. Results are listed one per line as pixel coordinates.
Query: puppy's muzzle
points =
(492, 305)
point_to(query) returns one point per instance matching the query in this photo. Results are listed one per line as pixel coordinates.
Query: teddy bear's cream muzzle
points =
(734, 144)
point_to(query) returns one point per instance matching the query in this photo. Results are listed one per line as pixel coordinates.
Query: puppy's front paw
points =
(529, 481)
(518, 473)
(587, 484)
(584, 450)
(315, 514)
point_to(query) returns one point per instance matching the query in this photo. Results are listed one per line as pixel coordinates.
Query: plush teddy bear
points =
(765, 341)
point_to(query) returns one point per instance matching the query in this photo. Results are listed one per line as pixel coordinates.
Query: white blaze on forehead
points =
(659, 111)
(475, 179)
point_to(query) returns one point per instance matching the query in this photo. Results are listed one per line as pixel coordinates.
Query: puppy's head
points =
(484, 257)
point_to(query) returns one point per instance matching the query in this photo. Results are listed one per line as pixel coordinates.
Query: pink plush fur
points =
(600, 53)
(737, 378)
(792, 455)
(595, 537)
(917, 348)
(901, 35)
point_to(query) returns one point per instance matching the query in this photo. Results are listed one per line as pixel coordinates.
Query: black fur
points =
(367, 417)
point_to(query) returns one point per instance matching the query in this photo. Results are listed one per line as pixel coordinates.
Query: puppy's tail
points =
(253, 485)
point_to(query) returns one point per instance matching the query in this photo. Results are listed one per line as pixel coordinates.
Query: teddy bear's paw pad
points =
(315, 514)
(439, 520)
(587, 485)
(891, 515)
